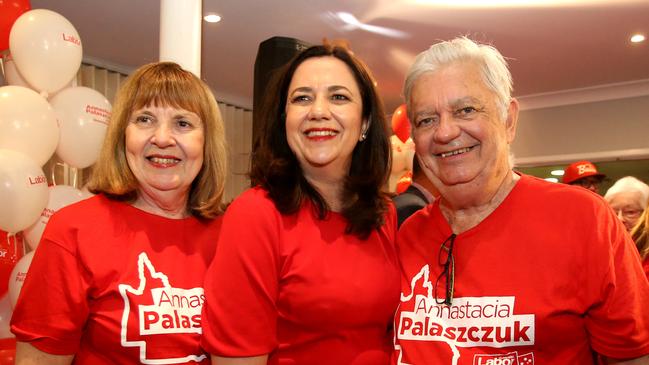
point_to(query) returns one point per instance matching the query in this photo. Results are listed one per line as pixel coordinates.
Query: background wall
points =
(599, 131)
(614, 134)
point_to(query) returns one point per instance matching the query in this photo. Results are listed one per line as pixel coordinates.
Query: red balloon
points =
(404, 182)
(10, 10)
(401, 123)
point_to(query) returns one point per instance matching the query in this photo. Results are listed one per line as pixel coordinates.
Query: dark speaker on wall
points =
(273, 53)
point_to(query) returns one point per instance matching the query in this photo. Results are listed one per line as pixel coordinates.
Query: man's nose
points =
(447, 130)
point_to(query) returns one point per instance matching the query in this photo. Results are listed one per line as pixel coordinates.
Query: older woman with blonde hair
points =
(628, 197)
(640, 235)
(117, 278)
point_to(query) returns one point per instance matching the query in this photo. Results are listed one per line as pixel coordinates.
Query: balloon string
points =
(53, 174)
(75, 173)
(12, 237)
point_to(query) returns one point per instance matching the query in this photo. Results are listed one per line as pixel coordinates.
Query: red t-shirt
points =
(546, 278)
(299, 288)
(116, 285)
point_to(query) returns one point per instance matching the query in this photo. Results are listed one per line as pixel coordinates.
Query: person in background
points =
(505, 268)
(584, 174)
(306, 270)
(420, 193)
(117, 278)
(640, 235)
(628, 197)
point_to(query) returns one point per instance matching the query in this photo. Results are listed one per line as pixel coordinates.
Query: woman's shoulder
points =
(254, 201)
(84, 209)
(254, 195)
(90, 212)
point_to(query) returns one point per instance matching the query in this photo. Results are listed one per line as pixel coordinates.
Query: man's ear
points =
(512, 120)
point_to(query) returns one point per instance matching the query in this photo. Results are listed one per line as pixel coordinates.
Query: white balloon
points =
(46, 48)
(12, 75)
(59, 197)
(17, 277)
(23, 191)
(27, 123)
(83, 115)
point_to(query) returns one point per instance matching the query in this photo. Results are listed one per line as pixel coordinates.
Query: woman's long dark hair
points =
(276, 169)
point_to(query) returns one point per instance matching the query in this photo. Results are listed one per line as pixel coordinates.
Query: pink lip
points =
(158, 164)
(316, 137)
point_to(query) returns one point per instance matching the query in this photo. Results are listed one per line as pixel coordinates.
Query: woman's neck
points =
(330, 187)
(165, 204)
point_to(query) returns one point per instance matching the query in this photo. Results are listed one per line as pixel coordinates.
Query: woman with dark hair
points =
(306, 269)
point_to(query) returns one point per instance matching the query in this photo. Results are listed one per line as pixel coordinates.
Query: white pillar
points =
(180, 33)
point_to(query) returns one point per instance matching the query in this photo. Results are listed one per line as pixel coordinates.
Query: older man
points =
(505, 268)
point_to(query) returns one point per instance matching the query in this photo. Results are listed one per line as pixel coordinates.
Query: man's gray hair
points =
(629, 184)
(493, 67)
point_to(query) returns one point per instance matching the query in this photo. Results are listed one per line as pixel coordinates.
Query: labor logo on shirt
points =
(467, 322)
(155, 313)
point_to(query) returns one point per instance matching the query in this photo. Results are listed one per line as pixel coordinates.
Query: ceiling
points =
(552, 46)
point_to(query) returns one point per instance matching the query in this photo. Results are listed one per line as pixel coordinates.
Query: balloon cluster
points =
(403, 151)
(41, 113)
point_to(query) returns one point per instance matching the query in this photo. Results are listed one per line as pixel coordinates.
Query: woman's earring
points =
(365, 129)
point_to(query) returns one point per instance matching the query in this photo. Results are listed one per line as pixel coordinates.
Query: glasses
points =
(588, 182)
(447, 276)
(628, 213)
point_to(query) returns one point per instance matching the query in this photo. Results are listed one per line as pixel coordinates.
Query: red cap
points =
(579, 170)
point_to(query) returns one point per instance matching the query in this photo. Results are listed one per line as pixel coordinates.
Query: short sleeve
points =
(52, 308)
(618, 322)
(241, 286)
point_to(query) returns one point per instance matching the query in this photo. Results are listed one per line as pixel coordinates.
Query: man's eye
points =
(423, 122)
(466, 110)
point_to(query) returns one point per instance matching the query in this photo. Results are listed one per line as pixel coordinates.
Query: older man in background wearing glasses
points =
(505, 268)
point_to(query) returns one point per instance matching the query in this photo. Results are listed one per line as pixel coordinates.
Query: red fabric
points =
(101, 263)
(12, 248)
(551, 272)
(299, 288)
(645, 266)
(7, 351)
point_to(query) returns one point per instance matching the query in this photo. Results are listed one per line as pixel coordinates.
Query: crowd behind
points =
(628, 197)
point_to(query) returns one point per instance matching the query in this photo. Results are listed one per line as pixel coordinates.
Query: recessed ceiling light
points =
(556, 172)
(212, 18)
(552, 179)
(637, 38)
